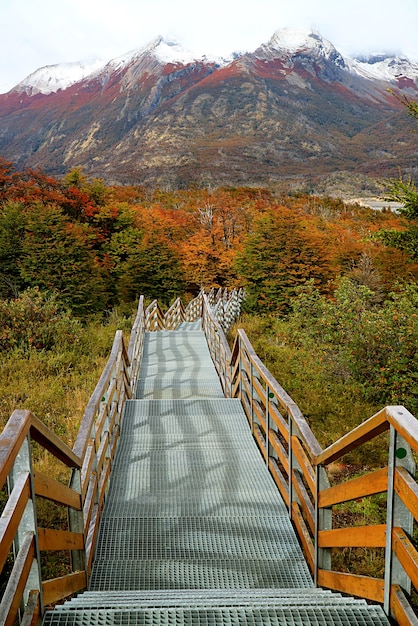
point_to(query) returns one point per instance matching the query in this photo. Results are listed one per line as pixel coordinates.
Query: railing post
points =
(240, 368)
(76, 524)
(323, 521)
(252, 396)
(400, 455)
(267, 415)
(28, 522)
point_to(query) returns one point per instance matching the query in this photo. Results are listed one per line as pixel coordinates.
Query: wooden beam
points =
(51, 442)
(279, 480)
(12, 515)
(50, 539)
(59, 588)
(304, 463)
(11, 440)
(15, 587)
(367, 485)
(278, 419)
(51, 489)
(406, 553)
(304, 536)
(407, 490)
(32, 609)
(305, 501)
(359, 586)
(364, 432)
(277, 446)
(401, 609)
(353, 537)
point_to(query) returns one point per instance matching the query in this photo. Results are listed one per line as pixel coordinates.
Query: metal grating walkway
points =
(194, 530)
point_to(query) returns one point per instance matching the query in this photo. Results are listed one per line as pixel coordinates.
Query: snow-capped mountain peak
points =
(51, 78)
(285, 43)
(290, 41)
(288, 44)
(384, 67)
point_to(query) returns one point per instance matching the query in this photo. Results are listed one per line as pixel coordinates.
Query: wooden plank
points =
(50, 539)
(353, 584)
(12, 515)
(103, 480)
(32, 609)
(304, 536)
(258, 435)
(279, 480)
(260, 391)
(367, 485)
(84, 433)
(86, 470)
(401, 609)
(304, 464)
(364, 432)
(282, 397)
(305, 501)
(51, 489)
(353, 537)
(51, 442)
(11, 440)
(277, 418)
(404, 423)
(90, 500)
(406, 553)
(259, 413)
(91, 537)
(304, 431)
(277, 446)
(114, 441)
(59, 588)
(15, 587)
(102, 452)
(112, 416)
(407, 490)
(246, 407)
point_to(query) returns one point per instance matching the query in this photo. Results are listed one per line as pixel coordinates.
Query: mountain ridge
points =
(288, 42)
(157, 116)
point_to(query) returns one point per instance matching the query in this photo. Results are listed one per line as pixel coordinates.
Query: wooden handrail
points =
(292, 453)
(85, 430)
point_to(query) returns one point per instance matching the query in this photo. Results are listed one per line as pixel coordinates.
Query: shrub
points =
(36, 320)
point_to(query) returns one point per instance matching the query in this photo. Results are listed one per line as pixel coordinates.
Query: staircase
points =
(194, 530)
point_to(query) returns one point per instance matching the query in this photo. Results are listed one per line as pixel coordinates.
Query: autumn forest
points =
(330, 298)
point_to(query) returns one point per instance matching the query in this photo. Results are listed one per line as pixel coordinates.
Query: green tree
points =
(12, 222)
(278, 256)
(57, 255)
(144, 265)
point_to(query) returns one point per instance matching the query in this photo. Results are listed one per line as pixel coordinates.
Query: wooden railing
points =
(89, 464)
(300, 469)
(298, 464)
(87, 467)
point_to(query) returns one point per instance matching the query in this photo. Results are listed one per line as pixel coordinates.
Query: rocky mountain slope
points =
(294, 107)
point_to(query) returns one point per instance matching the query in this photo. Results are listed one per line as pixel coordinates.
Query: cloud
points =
(47, 32)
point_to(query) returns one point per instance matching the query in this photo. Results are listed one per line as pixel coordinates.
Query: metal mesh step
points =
(225, 616)
(221, 415)
(210, 538)
(194, 531)
(176, 387)
(195, 574)
(208, 598)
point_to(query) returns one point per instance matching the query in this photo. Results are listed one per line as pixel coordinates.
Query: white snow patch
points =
(51, 78)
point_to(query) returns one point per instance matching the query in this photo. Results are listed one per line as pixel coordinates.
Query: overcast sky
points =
(35, 33)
